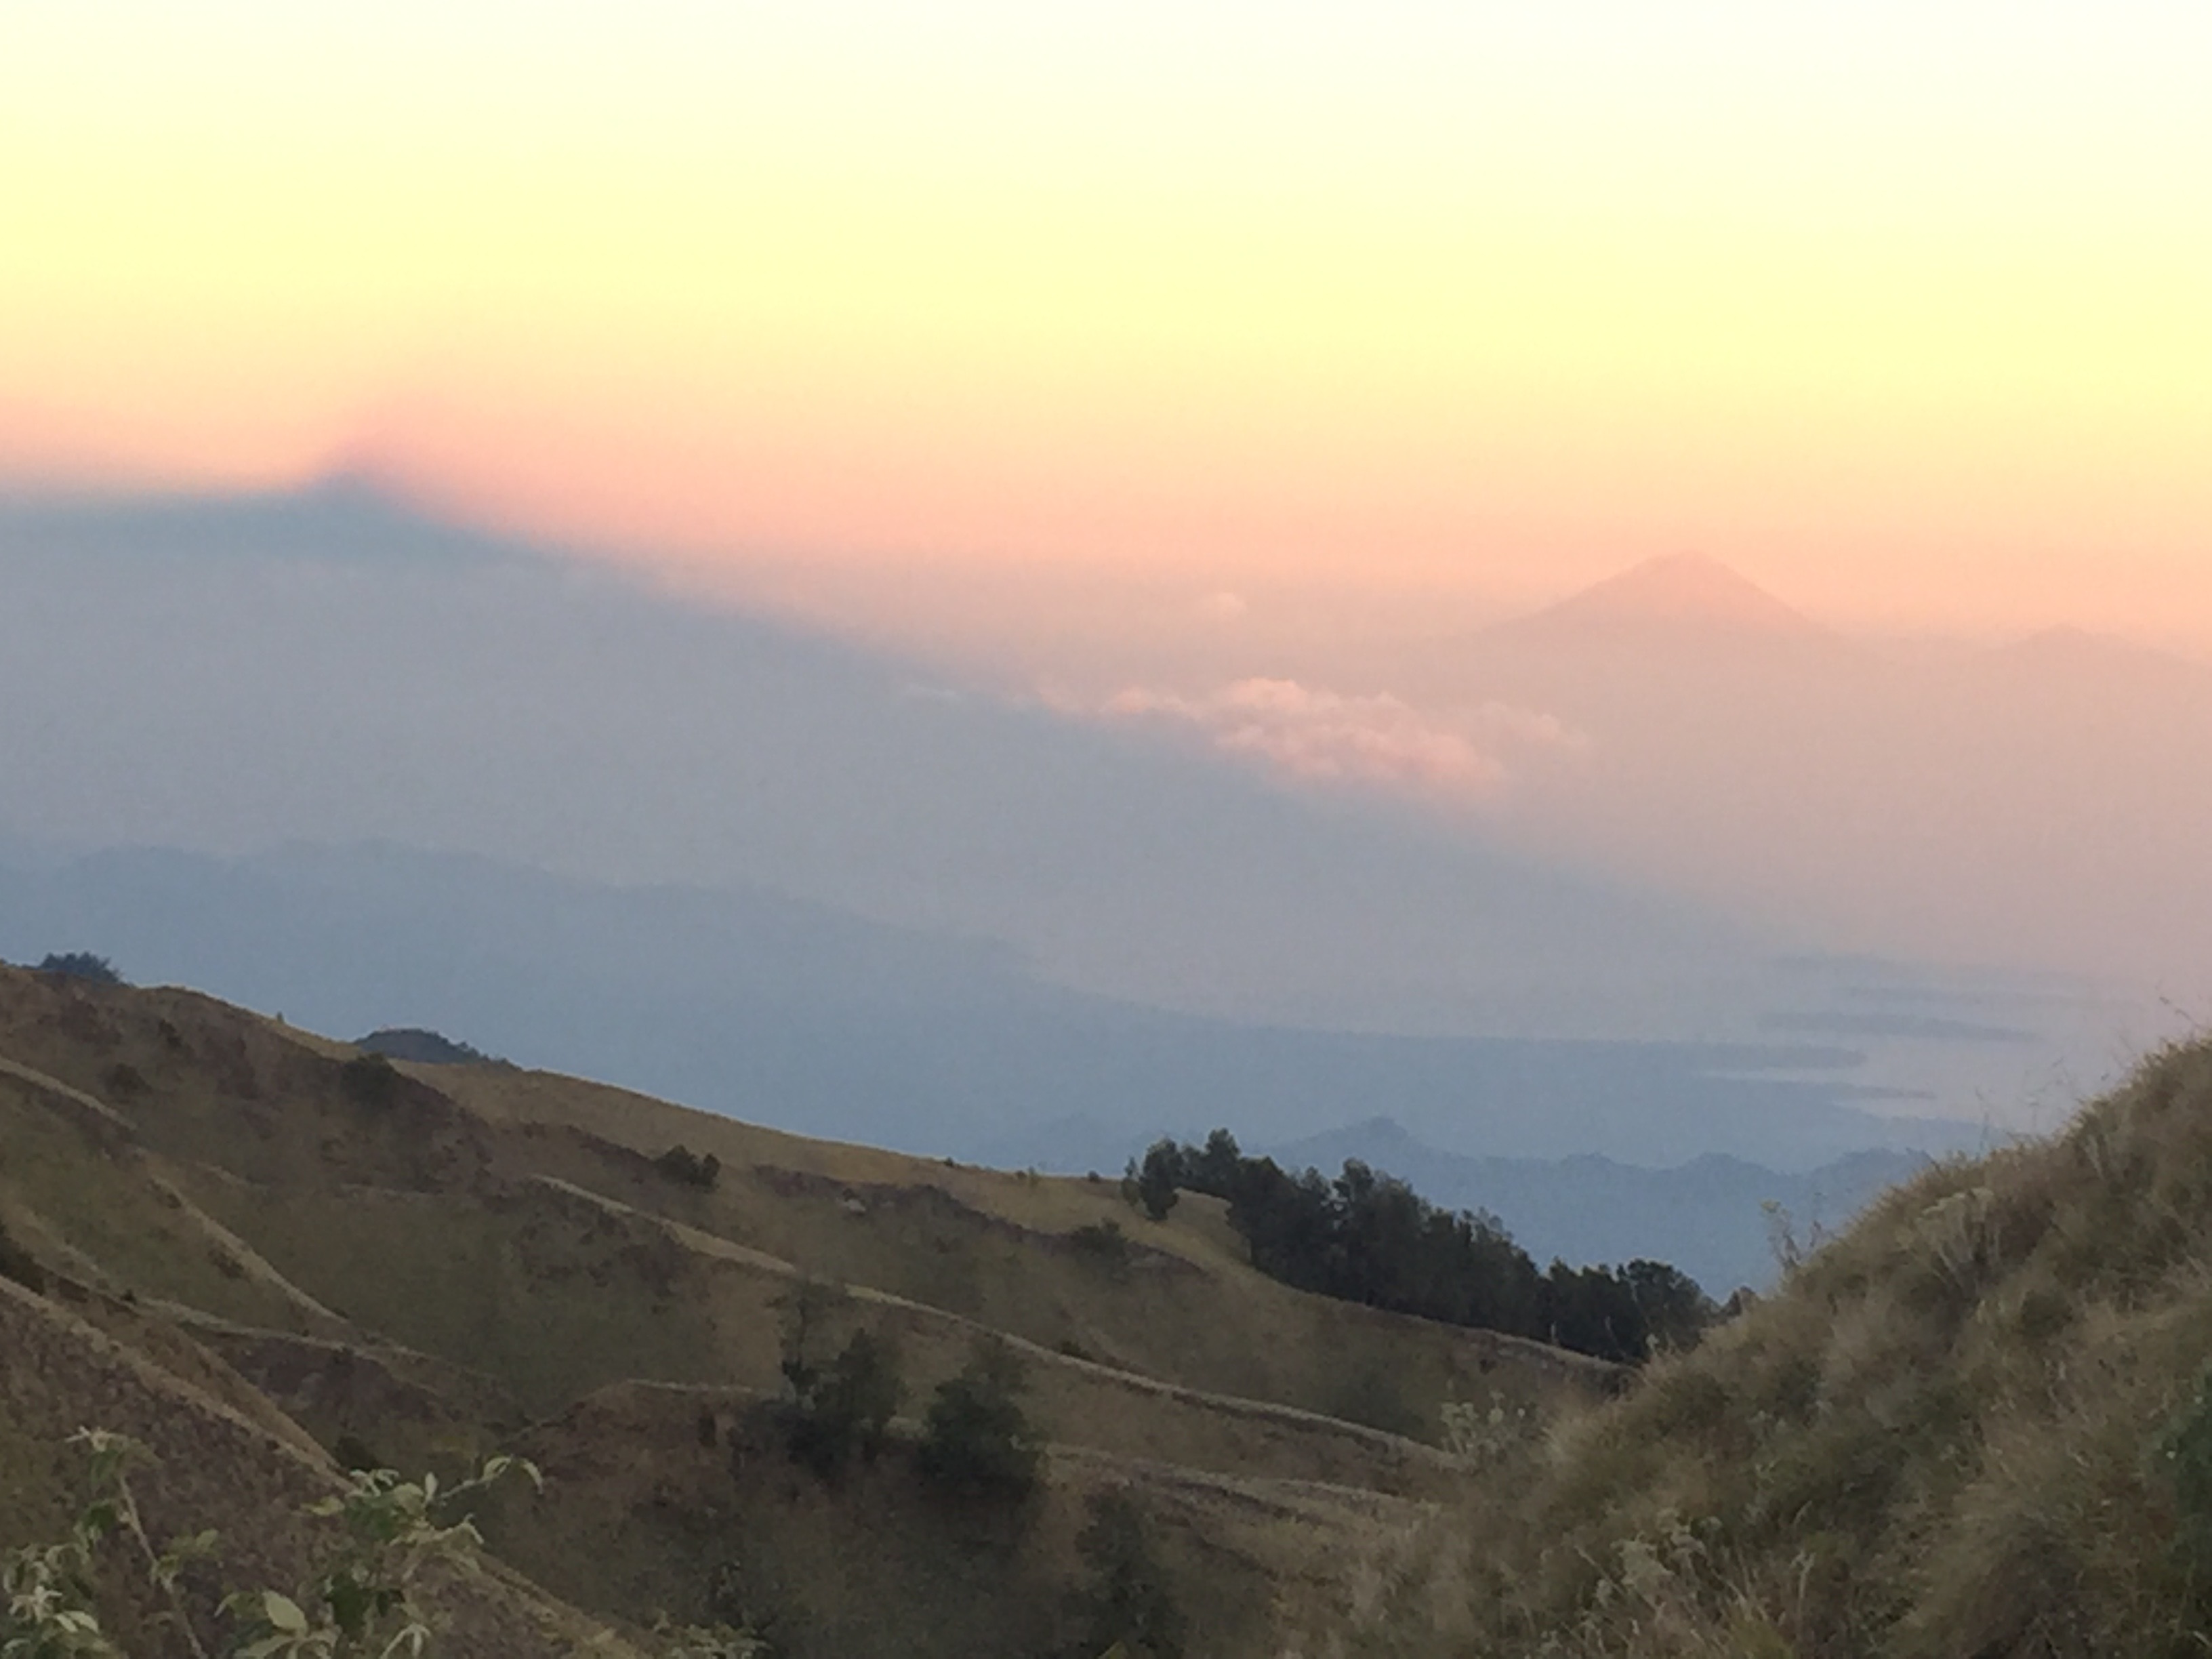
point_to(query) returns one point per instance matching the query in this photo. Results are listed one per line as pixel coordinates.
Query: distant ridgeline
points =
(1372, 1238)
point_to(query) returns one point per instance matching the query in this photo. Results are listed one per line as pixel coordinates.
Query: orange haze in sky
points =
(1899, 308)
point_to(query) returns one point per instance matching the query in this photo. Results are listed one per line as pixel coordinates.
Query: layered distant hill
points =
(788, 1012)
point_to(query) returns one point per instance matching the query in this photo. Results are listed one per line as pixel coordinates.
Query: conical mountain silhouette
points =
(1678, 593)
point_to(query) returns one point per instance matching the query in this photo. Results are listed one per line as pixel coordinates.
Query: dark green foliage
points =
(681, 1163)
(977, 1443)
(1104, 1243)
(16, 1263)
(1369, 1237)
(1157, 1178)
(370, 1080)
(845, 1407)
(1674, 1310)
(82, 964)
(1127, 1604)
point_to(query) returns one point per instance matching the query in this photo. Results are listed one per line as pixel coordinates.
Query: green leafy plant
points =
(49, 1588)
(362, 1602)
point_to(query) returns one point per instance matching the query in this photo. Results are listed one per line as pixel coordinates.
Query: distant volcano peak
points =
(1677, 591)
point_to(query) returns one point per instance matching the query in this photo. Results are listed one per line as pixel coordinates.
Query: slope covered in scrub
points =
(1977, 1424)
(366, 1261)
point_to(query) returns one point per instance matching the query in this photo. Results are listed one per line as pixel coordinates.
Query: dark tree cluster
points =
(81, 964)
(845, 1407)
(1370, 1238)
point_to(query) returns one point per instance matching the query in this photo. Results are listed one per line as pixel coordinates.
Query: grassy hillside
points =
(1977, 1424)
(212, 1467)
(424, 1263)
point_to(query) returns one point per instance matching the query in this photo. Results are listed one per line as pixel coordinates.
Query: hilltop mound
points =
(1979, 1423)
(427, 1048)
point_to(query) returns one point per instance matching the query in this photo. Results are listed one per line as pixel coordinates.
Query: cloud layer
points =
(1312, 734)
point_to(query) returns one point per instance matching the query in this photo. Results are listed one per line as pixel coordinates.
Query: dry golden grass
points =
(416, 1259)
(258, 1121)
(996, 1247)
(1944, 1436)
(78, 1191)
(691, 1486)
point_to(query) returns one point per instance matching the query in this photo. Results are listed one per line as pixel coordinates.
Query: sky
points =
(990, 321)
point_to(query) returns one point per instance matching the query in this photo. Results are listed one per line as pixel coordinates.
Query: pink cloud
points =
(1316, 735)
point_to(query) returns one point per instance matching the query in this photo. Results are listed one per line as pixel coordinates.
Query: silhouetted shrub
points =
(1151, 1186)
(1127, 1606)
(846, 1407)
(1104, 1244)
(681, 1163)
(81, 964)
(370, 1080)
(124, 1081)
(976, 1441)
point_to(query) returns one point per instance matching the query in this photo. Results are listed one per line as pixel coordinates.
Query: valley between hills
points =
(1973, 1423)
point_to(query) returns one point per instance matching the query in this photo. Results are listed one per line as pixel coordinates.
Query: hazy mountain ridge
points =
(474, 696)
(783, 1012)
(1708, 1217)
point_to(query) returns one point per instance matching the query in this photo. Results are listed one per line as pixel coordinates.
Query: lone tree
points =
(1152, 1185)
(976, 1440)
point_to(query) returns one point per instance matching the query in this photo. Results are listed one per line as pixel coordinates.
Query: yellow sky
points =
(1901, 307)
